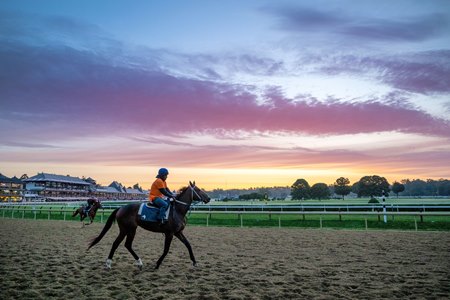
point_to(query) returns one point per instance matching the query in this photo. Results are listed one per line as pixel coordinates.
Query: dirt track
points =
(47, 260)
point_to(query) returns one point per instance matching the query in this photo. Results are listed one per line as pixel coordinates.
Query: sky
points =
(232, 94)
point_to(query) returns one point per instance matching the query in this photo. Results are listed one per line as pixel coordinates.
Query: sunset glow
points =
(232, 94)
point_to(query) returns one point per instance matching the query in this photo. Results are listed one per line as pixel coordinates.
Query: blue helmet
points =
(163, 172)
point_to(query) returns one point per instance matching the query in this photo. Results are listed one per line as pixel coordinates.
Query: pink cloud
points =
(70, 93)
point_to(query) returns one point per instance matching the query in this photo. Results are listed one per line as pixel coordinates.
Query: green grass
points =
(314, 221)
(44, 214)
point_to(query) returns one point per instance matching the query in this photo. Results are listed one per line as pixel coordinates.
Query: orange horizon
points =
(210, 179)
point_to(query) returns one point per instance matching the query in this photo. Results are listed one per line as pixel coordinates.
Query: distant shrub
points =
(373, 200)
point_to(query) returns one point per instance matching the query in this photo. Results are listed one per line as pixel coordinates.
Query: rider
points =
(90, 203)
(158, 190)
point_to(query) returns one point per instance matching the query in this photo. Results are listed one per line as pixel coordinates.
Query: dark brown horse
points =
(128, 221)
(95, 205)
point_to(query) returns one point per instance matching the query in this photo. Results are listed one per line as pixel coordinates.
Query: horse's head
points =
(198, 193)
(192, 193)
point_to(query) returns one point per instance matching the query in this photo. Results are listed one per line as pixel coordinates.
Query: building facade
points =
(11, 189)
(52, 187)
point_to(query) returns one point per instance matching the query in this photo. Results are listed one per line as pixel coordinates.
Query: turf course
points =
(241, 219)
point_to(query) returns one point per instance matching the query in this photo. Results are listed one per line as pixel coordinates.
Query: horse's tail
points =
(108, 225)
(75, 213)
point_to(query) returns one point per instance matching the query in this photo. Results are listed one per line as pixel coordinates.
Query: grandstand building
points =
(51, 187)
(11, 189)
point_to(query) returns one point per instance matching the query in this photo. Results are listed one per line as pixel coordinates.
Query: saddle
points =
(150, 213)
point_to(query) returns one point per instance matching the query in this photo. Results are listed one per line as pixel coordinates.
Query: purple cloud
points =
(405, 29)
(428, 73)
(422, 72)
(303, 19)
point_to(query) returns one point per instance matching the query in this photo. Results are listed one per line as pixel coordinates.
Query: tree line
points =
(367, 186)
(370, 186)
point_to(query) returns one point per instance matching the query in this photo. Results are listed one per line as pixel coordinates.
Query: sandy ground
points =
(48, 260)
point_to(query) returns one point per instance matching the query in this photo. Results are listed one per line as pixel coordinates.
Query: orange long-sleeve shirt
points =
(154, 190)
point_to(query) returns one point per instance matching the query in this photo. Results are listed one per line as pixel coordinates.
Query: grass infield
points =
(324, 221)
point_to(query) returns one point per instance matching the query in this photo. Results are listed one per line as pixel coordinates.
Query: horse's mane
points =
(182, 190)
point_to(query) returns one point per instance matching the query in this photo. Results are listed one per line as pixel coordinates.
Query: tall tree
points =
(444, 187)
(342, 187)
(300, 189)
(397, 187)
(372, 186)
(415, 187)
(432, 187)
(320, 191)
(355, 188)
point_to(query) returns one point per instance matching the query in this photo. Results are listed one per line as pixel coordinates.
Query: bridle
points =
(193, 193)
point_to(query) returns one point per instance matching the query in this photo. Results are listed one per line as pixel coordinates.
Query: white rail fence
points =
(241, 215)
(103, 214)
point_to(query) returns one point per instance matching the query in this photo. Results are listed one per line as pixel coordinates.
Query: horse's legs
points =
(167, 242)
(129, 243)
(185, 241)
(81, 220)
(82, 216)
(116, 244)
(129, 246)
